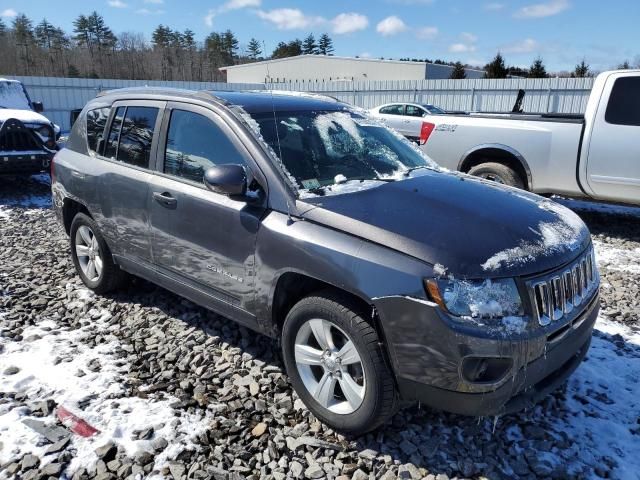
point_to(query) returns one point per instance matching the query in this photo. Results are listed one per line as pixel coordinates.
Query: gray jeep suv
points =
(384, 277)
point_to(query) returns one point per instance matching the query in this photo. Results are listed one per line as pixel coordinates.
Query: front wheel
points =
(336, 364)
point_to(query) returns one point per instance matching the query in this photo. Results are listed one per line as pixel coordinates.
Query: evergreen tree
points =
(581, 70)
(624, 65)
(458, 71)
(254, 49)
(3, 28)
(73, 72)
(23, 29)
(309, 46)
(102, 34)
(160, 38)
(325, 45)
(288, 49)
(537, 69)
(230, 43)
(497, 68)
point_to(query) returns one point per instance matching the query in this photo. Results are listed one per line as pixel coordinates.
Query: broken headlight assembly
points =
(476, 298)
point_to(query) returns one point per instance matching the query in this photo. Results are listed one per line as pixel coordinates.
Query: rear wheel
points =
(336, 364)
(92, 257)
(499, 173)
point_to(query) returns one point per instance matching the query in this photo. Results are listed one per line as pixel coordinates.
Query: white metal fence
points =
(560, 95)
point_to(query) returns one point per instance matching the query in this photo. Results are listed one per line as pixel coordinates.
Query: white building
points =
(324, 68)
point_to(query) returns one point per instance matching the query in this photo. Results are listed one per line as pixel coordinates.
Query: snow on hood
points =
(25, 116)
(565, 233)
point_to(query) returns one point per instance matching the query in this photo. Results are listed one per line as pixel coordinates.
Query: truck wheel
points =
(336, 364)
(499, 173)
(92, 257)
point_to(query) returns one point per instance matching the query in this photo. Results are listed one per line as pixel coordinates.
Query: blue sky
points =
(561, 31)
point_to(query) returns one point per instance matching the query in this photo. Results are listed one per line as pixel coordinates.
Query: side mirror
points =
(229, 180)
(37, 107)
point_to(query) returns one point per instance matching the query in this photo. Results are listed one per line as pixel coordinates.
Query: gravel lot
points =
(179, 392)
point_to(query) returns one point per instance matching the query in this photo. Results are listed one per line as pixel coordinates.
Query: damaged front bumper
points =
(22, 151)
(466, 370)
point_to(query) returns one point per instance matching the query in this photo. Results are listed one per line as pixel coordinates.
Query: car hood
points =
(25, 116)
(471, 227)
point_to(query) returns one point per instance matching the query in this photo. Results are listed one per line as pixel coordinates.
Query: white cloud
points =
(9, 13)
(540, 10)
(289, 18)
(468, 37)
(391, 26)
(238, 4)
(427, 33)
(147, 11)
(155, 2)
(527, 45)
(117, 4)
(494, 6)
(462, 48)
(225, 7)
(365, 55)
(349, 22)
(208, 18)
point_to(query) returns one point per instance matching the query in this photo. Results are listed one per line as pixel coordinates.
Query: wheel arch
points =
(70, 208)
(500, 153)
(292, 286)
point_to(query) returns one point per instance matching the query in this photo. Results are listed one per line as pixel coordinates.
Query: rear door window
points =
(414, 111)
(392, 110)
(114, 134)
(137, 133)
(196, 143)
(624, 102)
(96, 121)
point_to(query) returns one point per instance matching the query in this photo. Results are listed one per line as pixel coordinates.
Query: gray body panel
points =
(229, 254)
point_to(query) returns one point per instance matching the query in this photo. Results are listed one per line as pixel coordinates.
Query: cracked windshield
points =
(337, 152)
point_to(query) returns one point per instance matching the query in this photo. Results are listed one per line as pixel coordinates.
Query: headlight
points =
(477, 298)
(44, 131)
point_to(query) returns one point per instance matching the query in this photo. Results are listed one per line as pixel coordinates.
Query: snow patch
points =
(558, 236)
(439, 270)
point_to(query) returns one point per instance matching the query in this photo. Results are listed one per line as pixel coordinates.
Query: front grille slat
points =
(558, 294)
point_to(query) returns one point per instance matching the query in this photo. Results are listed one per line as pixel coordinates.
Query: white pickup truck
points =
(595, 156)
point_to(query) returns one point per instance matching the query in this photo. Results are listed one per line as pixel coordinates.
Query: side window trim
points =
(161, 106)
(217, 120)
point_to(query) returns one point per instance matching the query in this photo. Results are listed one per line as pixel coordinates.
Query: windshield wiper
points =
(406, 173)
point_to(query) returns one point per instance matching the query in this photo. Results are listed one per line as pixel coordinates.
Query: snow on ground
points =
(98, 396)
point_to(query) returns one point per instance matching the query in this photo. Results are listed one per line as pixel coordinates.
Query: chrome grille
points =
(561, 292)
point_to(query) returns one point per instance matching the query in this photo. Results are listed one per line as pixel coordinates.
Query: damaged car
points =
(28, 140)
(384, 277)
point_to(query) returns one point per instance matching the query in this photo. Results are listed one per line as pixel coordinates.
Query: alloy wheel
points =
(330, 366)
(88, 253)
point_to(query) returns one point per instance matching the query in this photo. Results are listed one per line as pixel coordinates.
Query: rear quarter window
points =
(624, 102)
(96, 121)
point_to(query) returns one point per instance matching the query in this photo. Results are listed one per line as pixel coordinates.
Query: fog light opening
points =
(485, 370)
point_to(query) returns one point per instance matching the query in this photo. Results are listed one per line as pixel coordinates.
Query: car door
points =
(413, 119)
(392, 116)
(129, 148)
(613, 162)
(204, 239)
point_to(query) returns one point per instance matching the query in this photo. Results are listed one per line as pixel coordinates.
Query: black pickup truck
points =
(27, 138)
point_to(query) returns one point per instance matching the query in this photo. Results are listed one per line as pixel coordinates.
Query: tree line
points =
(92, 50)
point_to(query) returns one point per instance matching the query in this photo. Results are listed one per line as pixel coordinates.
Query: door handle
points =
(406, 121)
(165, 199)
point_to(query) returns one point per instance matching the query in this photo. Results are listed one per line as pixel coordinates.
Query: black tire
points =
(111, 276)
(499, 173)
(380, 399)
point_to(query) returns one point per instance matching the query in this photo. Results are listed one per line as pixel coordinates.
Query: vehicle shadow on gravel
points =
(27, 192)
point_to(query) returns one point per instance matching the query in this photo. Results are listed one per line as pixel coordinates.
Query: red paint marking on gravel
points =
(75, 423)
